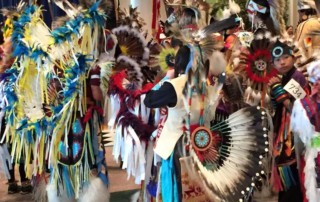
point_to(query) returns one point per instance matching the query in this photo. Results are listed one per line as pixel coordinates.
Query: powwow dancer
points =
(63, 138)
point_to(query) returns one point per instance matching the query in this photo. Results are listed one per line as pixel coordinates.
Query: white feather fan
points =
(228, 169)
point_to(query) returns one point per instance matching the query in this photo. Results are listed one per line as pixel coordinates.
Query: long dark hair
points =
(181, 60)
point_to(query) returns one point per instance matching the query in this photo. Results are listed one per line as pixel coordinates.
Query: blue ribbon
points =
(189, 65)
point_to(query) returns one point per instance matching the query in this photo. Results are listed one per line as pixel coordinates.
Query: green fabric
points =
(315, 142)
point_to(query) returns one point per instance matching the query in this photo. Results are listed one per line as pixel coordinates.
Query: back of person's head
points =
(189, 16)
(181, 60)
(176, 43)
(261, 10)
(306, 14)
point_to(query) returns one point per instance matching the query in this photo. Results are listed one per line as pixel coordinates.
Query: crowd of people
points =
(206, 109)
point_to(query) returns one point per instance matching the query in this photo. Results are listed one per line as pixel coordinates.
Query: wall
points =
(145, 9)
(293, 13)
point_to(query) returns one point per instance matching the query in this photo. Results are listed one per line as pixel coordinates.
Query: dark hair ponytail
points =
(181, 60)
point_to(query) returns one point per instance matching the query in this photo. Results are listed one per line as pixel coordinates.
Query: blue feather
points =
(20, 49)
(38, 52)
(29, 137)
(67, 182)
(62, 149)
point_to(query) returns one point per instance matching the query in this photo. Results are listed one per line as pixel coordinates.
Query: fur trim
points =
(52, 193)
(310, 183)
(39, 189)
(96, 191)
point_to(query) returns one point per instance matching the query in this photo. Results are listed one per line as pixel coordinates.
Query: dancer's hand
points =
(170, 73)
(274, 80)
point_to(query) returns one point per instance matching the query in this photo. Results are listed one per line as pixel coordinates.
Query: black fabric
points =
(181, 61)
(277, 120)
(279, 49)
(22, 173)
(11, 172)
(165, 96)
(177, 154)
(294, 194)
(278, 114)
(3, 128)
(262, 3)
(222, 25)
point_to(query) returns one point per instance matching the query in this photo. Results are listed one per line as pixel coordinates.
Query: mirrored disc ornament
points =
(260, 65)
(201, 139)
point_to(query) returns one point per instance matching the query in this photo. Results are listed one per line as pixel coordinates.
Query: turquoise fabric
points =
(169, 186)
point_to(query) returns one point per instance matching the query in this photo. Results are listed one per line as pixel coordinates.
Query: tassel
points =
(276, 180)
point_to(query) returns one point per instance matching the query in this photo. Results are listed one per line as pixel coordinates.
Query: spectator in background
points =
(290, 31)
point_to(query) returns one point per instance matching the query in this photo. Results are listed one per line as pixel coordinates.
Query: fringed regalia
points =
(51, 69)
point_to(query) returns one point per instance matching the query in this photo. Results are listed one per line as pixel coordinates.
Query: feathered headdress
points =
(258, 67)
(306, 4)
(131, 18)
(277, 12)
(274, 8)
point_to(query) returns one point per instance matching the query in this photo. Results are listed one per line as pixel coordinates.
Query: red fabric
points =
(276, 180)
(116, 86)
(155, 13)
(94, 72)
(302, 179)
(229, 42)
(89, 112)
